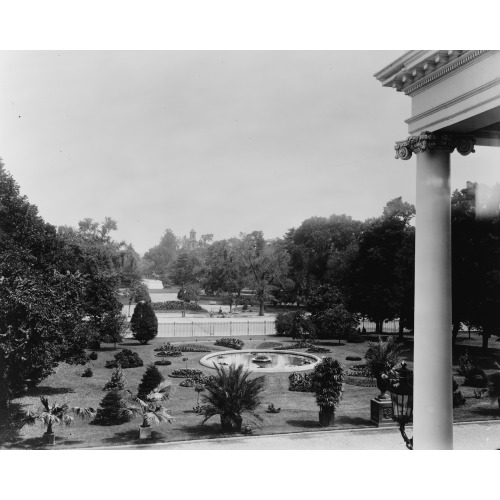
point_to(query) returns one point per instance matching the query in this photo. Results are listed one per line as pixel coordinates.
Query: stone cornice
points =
(428, 141)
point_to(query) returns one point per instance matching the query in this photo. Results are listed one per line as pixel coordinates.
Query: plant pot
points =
(144, 432)
(49, 439)
(326, 417)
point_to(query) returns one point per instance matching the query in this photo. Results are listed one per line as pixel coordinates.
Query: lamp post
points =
(402, 400)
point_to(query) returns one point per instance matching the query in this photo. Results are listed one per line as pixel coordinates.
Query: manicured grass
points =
(299, 412)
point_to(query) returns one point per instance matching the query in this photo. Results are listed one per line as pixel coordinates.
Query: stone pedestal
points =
(381, 412)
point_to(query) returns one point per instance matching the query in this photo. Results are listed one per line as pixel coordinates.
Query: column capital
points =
(429, 141)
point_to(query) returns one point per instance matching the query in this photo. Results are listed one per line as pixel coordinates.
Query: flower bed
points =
(297, 345)
(231, 343)
(186, 373)
(300, 382)
(175, 305)
(318, 349)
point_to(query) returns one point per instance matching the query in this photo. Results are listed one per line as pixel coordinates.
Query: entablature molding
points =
(429, 141)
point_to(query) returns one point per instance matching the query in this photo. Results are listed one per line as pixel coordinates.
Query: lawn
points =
(299, 411)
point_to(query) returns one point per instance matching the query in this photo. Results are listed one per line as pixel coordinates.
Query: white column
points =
(433, 400)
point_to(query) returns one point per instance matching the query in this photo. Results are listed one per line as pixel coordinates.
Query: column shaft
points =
(433, 400)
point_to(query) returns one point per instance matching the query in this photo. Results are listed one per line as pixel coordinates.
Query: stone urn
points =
(383, 384)
(326, 416)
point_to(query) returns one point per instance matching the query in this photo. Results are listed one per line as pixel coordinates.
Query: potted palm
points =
(151, 411)
(327, 384)
(55, 414)
(230, 394)
(381, 358)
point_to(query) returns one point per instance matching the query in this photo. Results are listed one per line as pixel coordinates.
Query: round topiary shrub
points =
(126, 359)
(88, 372)
(93, 356)
(144, 323)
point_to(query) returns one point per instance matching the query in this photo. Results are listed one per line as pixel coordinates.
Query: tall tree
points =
(381, 276)
(161, 258)
(266, 265)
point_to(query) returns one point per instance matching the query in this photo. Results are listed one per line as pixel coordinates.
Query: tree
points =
(476, 260)
(161, 258)
(381, 277)
(112, 409)
(266, 265)
(144, 323)
(152, 378)
(117, 380)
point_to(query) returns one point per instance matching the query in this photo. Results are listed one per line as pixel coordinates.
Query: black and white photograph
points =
(253, 249)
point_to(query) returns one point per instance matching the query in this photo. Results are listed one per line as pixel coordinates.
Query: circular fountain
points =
(263, 361)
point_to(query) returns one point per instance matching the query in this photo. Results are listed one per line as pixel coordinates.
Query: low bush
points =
(355, 338)
(93, 356)
(465, 364)
(300, 382)
(361, 381)
(194, 348)
(458, 399)
(126, 359)
(175, 305)
(476, 377)
(88, 372)
(353, 358)
(303, 344)
(189, 382)
(163, 362)
(185, 373)
(231, 343)
(94, 344)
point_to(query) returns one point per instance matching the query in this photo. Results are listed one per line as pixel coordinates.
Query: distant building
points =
(153, 284)
(192, 243)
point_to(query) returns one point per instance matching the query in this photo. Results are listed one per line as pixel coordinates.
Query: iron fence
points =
(221, 329)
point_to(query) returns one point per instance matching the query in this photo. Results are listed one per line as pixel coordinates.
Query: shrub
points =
(476, 378)
(300, 382)
(144, 323)
(94, 344)
(112, 409)
(464, 364)
(355, 338)
(88, 372)
(163, 362)
(353, 358)
(194, 348)
(141, 293)
(117, 381)
(302, 344)
(185, 373)
(326, 383)
(189, 382)
(126, 359)
(93, 356)
(231, 343)
(152, 378)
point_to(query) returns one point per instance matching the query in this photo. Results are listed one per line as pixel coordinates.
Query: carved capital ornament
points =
(429, 141)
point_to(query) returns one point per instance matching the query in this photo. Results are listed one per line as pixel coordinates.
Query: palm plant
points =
(151, 411)
(231, 393)
(48, 416)
(381, 358)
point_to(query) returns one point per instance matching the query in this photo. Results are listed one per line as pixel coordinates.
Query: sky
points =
(220, 142)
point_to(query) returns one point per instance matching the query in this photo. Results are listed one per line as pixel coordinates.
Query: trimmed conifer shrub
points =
(112, 409)
(126, 358)
(144, 323)
(152, 378)
(117, 380)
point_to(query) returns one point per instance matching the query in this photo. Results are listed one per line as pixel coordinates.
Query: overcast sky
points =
(221, 142)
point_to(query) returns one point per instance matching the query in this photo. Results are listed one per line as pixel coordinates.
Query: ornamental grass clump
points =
(230, 393)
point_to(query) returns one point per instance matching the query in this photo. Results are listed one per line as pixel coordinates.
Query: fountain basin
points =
(274, 362)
